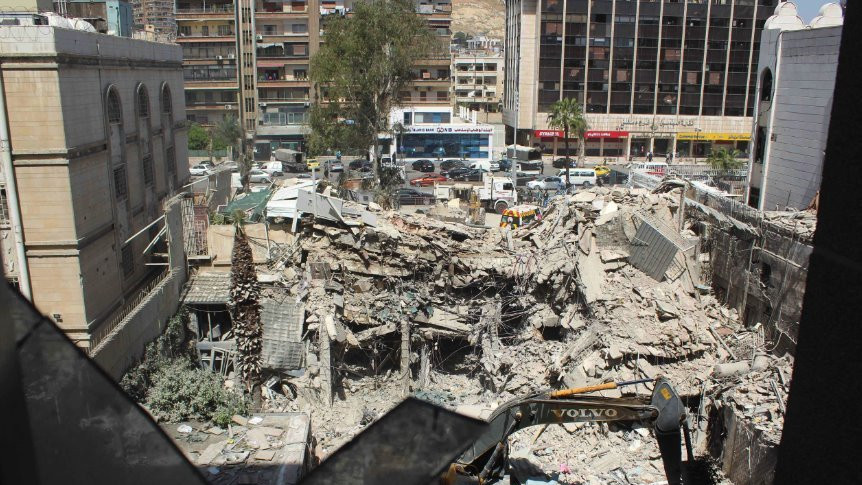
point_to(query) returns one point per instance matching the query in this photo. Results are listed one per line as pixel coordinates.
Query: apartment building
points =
(253, 62)
(796, 83)
(661, 76)
(477, 80)
(432, 76)
(156, 16)
(96, 144)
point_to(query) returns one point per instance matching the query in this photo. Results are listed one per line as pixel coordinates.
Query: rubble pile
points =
(468, 316)
(799, 223)
(266, 448)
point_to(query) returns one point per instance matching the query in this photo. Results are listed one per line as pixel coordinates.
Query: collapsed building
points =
(363, 307)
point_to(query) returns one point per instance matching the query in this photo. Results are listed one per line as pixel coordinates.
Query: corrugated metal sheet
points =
(655, 246)
(282, 334)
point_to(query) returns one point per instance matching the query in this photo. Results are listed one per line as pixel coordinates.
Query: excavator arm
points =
(486, 458)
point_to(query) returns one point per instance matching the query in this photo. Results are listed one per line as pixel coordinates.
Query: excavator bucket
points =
(667, 429)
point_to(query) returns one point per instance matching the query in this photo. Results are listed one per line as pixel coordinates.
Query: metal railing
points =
(209, 9)
(128, 308)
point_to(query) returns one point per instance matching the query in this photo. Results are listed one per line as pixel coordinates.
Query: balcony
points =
(228, 36)
(283, 119)
(210, 12)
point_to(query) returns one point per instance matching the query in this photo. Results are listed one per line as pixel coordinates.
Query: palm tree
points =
(566, 115)
(724, 161)
(244, 307)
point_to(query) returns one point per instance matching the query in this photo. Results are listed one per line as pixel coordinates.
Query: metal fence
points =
(206, 153)
(128, 308)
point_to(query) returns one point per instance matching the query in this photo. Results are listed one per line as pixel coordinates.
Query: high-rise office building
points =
(661, 76)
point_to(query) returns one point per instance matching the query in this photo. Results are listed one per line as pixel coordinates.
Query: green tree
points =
(199, 138)
(229, 134)
(724, 160)
(365, 61)
(244, 308)
(566, 115)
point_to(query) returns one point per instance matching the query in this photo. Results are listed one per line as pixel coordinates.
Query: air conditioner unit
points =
(259, 38)
(228, 106)
(218, 58)
(263, 105)
(231, 56)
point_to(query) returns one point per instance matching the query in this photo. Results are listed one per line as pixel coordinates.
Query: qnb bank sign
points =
(455, 129)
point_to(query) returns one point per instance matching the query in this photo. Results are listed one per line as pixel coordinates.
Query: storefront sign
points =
(548, 133)
(699, 135)
(483, 129)
(606, 134)
(657, 123)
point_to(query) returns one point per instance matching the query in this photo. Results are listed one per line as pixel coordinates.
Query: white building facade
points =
(436, 133)
(796, 83)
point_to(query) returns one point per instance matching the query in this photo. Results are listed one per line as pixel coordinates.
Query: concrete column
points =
(325, 367)
(628, 143)
(405, 356)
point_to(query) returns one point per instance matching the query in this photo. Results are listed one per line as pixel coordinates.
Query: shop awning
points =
(605, 134)
(703, 136)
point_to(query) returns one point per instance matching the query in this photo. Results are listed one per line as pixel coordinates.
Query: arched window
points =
(143, 101)
(766, 85)
(115, 111)
(167, 106)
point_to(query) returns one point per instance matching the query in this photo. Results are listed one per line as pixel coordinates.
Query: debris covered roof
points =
(208, 288)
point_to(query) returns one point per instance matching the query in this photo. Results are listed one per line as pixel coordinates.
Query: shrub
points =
(181, 392)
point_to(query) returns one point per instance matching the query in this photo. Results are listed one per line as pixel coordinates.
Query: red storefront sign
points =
(548, 133)
(606, 134)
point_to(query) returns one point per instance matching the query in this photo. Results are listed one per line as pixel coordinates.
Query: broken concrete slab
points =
(211, 451)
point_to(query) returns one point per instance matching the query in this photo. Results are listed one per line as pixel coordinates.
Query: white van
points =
(486, 165)
(579, 176)
(273, 168)
(658, 169)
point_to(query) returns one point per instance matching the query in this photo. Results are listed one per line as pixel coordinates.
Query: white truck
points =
(496, 193)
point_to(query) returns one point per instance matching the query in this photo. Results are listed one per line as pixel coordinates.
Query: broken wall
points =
(762, 278)
(126, 343)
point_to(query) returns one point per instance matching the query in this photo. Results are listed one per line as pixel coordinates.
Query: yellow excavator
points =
(486, 460)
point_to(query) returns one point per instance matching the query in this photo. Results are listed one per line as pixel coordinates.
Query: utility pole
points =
(514, 160)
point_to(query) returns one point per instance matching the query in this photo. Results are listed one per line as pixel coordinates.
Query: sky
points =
(808, 8)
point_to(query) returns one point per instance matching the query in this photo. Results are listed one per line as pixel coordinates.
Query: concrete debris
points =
(485, 316)
(279, 439)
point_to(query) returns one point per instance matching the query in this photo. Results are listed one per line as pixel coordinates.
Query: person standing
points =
(649, 156)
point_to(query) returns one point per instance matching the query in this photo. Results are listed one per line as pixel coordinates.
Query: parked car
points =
(335, 166)
(505, 165)
(450, 164)
(408, 196)
(208, 164)
(257, 176)
(455, 172)
(427, 180)
(547, 183)
(471, 175)
(199, 169)
(561, 162)
(357, 164)
(423, 166)
(602, 170)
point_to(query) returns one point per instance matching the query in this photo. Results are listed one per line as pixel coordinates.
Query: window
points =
(766, 85)
(4, 208)
(148, 169)
(170, 160)
(166, 100)
(128, 261)
(185, 30)
(269, 29)
(115, 112)
(121, 189)
(205, 31)
(143, 102)
(224, 31)
(299, 28)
